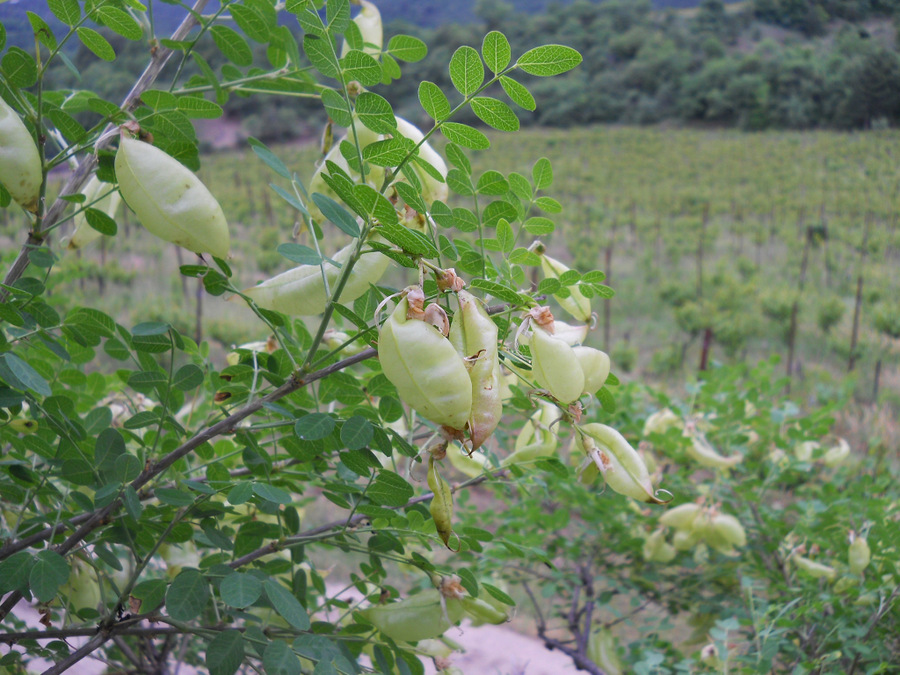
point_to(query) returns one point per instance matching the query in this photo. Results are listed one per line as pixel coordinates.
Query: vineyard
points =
(781, 243)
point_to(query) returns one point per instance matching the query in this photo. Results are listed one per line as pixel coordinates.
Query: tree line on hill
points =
(785, 64)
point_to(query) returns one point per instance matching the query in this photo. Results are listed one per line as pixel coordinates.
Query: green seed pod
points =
(442, 504)
(681, 517)
(594, 365)
(169, 200)
(374, 174)
(482, 612)
(836, 455)
(661, 421)
(471, 465)
(723, 532)
(474, 335)
(859, 555)
(301, 291)
(23, 426)
(703, 451)
(814, 569)
(685, 540)
(657, 549)
(109, 202)
(804, 451)
(429, 374)
(602, 651)
(622, 467)
(555, 366)
(432, 188)
(535, 439)
(368, 20)
(576, 304)
(425, 615)
(20, 162)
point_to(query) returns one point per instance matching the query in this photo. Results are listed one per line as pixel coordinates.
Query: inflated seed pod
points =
(681, 517)
(301, 290)
(576, 304)
(474, 335)
(684, 540)
(723, 532)
(471, 465)
(24, 426)
(429, 374)
(169, 200)
(441, 504)
(482, 612)
(657, 549)
(703, 451)
(836, 455)
(555, 365)
(425, 615)
(108, 203)
(621, 465)
(594, 365)
(374, 174)
(814, 569)
(804, 451)
(535, 439)
(602, 651)
(368, 20)
(432, 189)
(859, 555)
(20, 162)
(661, 421)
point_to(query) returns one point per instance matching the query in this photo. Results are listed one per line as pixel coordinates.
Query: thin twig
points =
(86, 649)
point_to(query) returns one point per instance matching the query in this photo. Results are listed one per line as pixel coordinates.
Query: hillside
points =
(426, 14)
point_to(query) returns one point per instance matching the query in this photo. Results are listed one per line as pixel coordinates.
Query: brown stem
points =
(85, 650)
(87, 165)
(857, 308)
(795, 308)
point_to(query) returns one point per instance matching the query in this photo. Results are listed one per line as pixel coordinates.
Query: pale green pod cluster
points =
(535, 439)
(301, 291)
(622, 467)
(474, 335)
(576, 303)
(20, 161)
(98, 195)
(602, 650)
(694, 524)
(566, 371)
(426, 369)
(169, 200)
(368, 20)
(858, 555)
